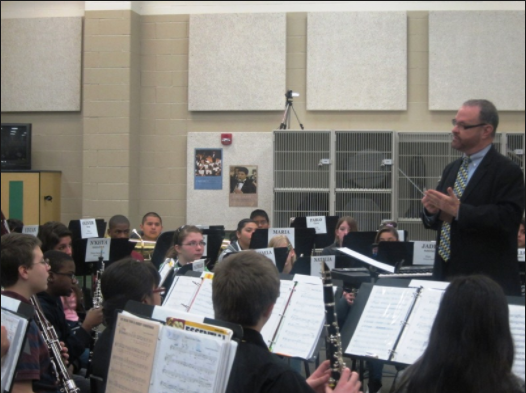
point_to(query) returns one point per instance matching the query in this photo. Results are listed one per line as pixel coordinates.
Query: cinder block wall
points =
(126, 151)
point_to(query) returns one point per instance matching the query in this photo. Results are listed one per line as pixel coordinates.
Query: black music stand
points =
(303, 237)
(321, 241)
(396, 254)
(216, 235)
(74, 227)
(163, 244)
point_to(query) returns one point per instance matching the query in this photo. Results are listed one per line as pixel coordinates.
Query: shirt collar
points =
(16, 296)
(477, 158)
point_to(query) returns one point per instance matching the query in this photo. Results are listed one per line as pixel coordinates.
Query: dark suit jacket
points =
(248, 188)
(484, 239)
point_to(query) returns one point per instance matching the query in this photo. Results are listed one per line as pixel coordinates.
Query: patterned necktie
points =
(444, 248)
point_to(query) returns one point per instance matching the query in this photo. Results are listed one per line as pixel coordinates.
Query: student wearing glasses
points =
(61, 281)
(24, 273)
(478, 204)
(124, 280)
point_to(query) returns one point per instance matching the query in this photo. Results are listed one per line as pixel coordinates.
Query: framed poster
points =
(208, 171)
(243, 186)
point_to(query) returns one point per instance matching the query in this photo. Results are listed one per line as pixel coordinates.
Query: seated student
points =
(470, 343)
(244, 232)
(151, 227)
(245, 290)
(24, 273)
(124, 280)
(260, 217)
(60, 284)
(15, 225)
(283, 241)
(520, 235)
(343, 227)
(188, 246)
(5, 342)
(119, 228)
(387, 234)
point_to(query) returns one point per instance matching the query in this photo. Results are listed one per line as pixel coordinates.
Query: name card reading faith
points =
(424, 253)
(268, 252)
(30, 230)
(319, 223)
(88, 228)
(315, 264)
(97, 247)
(521, 255)
(289, 232)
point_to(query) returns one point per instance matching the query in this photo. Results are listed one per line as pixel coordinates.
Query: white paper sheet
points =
(315, 264)
(88, 228)
(97, 247)
(319, 223)
(182, 293)
(289, 232)
(517, 324)
(202, 304)
(271, 326)
(268, 252)
(381, 322)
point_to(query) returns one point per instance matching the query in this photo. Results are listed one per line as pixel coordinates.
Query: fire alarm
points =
(226, 139)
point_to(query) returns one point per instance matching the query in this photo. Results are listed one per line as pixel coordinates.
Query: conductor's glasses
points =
(462, 126)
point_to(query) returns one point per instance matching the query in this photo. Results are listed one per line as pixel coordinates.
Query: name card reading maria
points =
(30, 230)
(268, 252)
(88, 228)
(315, 264)
(97, 247)
(424, 253)
(319, 223)
(289, 232)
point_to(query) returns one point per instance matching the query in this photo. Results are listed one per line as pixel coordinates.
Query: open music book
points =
(295, 326)
(395, 323)
(15, 318)
(150, 357)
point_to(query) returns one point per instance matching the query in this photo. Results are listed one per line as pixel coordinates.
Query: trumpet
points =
(67, 385)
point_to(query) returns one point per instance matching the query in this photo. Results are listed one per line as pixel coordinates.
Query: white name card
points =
(289, 232)
(97, 247)
(205, 239)
(268, 252)
(30, 230)
(521, 255)
(88, 228)
(198, 266)
(424, 253)
(319, 223)
(315, 264)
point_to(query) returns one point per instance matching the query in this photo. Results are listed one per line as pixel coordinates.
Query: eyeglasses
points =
(464, 126)
(44, 262)
(160, 290)
(70, 275)
(195, 244)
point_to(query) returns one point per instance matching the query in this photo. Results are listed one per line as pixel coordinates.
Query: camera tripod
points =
(289, 107)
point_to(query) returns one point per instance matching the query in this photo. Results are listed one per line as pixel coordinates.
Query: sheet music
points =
(16, 328)
(202, 304)
(269, 330)
(188, 362)
(381, 322)
(182, 293)
(517, 323)
(303, 322)
(416, 335)
(133, 355)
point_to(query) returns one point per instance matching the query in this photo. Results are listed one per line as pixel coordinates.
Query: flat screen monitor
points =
(16, 146)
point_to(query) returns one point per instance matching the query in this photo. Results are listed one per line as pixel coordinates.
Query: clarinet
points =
(67, 385)
(333, 337)
(97, 298)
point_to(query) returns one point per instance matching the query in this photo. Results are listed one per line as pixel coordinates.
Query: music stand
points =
(396, 254)
(302, 266)
(163, 244)
(303, 238)
(216, 235)
(321, 241)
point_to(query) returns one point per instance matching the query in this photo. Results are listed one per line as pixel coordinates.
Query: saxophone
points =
(67, 385)
(333, 337)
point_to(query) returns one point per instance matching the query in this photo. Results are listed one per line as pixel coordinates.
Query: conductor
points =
(477, 206)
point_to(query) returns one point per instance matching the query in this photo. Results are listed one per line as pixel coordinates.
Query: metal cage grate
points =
(514, 148)
(294, 204)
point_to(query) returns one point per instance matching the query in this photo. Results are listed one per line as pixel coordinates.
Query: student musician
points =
(151, 227)
(283, 241)
(260, 217)
(470, 343)
(188, 246)
(124, 280)
(119, 228)
(245, 230)
(245, 289)
(24, 273)
(344, 226)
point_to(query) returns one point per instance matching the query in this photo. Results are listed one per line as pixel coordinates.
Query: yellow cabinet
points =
(31, 196)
